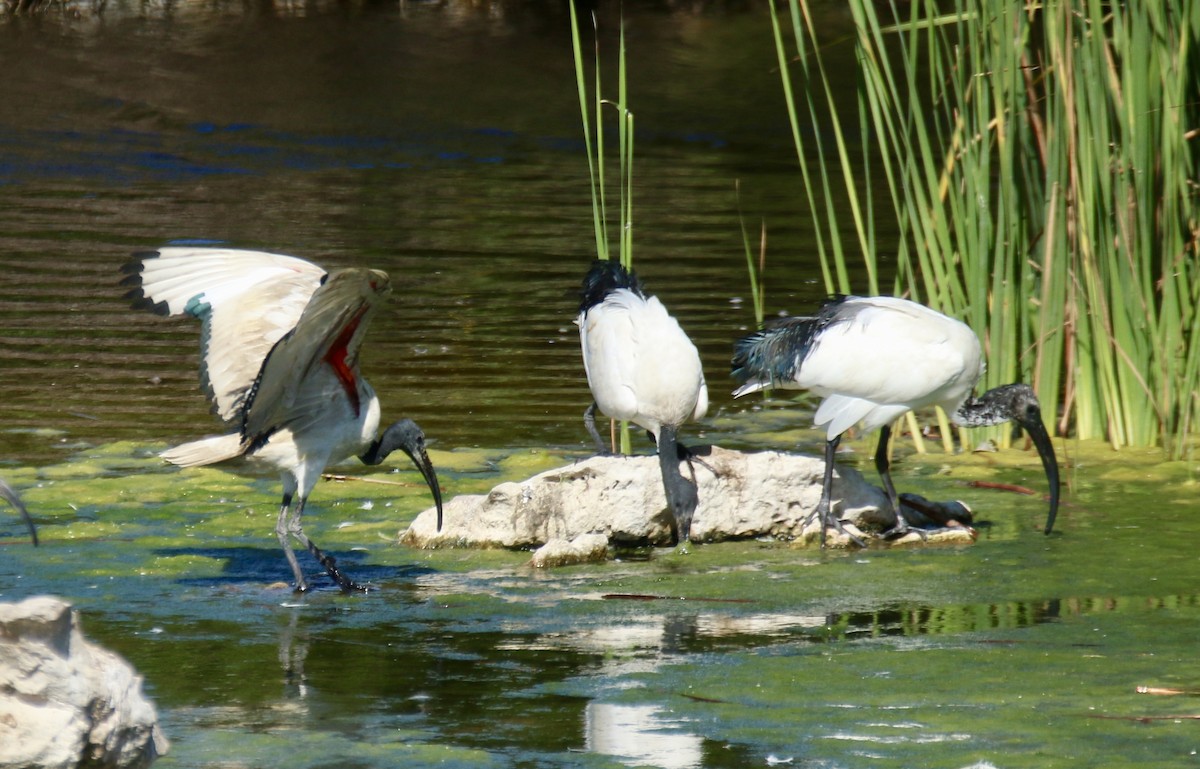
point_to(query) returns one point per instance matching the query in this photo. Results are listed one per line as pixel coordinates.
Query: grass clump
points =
(1042, 160)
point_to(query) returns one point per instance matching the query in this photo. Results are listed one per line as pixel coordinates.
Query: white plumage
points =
(279, 362)
(640, 364)
(642, 367)
(873, 359)
(879, 358)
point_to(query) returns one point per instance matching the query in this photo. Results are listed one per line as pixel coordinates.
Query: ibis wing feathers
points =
(608, 360)
(206, 451)
(838, 413)
(674, 384)
(701, 399)
(246, 300)
(184, 279)
(329, 332)
(871, 358)
(641, 365)
(775, 355)
(891, 351)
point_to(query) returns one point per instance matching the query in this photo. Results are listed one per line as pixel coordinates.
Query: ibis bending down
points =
(873, 359)
(10, 494)
(279, 363)
(643, 368)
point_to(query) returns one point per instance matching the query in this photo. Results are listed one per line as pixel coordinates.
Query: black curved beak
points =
(8, 493)
(421, 460)
(1041, 439)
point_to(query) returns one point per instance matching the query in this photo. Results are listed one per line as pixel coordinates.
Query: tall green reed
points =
(591, 110)
(1042, 160)
(756, 269)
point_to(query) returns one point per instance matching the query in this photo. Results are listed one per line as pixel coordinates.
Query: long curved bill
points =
(1041, 439)
(8, 493)
(421, 459)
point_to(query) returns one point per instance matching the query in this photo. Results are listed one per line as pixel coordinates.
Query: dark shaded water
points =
(441, 142)
(438, 142)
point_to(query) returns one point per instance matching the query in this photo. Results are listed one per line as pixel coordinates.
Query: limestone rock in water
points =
(65, 702)
(586, 548)
(742, 495)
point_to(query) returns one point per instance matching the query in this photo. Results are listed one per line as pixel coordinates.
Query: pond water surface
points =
(441, 142)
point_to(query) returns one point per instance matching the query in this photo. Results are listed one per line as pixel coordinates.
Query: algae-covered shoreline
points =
(745, 649)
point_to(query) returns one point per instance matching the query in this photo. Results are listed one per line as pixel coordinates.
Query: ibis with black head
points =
(873, 359)
(279, 361)
(642, 367)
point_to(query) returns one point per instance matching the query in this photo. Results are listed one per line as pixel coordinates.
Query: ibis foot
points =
(828, 521)
(329, 563)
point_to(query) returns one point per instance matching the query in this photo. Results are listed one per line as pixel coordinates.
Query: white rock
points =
(65, 702)
(742, 495)
(586, 548)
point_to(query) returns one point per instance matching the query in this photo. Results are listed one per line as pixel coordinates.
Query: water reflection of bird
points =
(10, 494)
(279, 363)
(873, 359)
(641, 367)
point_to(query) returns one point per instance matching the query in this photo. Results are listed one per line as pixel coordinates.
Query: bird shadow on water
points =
(252, 565)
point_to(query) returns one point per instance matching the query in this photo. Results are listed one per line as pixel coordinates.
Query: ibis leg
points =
(293, 528)
(692, 458)
(589, 421)
(285, 541)
(824, 509)
(681, 493)
(327, 561)
(8, 493)
(883, 466)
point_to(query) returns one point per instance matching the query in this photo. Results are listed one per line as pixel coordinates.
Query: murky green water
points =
(1019, 651)
(440, 142)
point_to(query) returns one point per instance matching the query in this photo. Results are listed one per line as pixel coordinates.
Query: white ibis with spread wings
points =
(280, 340)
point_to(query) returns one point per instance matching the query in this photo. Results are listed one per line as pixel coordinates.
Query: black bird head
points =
(1016, 402)
(606, 276)
(408, 437)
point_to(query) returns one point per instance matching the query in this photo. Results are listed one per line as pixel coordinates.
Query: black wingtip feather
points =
(775, 353)
(138, 301)
(136, 295)
(136, 264)
(604, 277)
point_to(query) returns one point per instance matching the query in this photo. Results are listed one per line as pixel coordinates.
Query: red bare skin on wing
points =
(336, 358)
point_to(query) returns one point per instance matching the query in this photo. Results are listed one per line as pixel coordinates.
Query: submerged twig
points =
(650, 597)
(364, 479)
(1147, 719)
(1002, 487)
(1167, 691)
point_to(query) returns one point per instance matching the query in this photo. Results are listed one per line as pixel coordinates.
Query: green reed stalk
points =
(595, 154)
(822, 202)
(591, 109)
(756, 271)
(1042, 160)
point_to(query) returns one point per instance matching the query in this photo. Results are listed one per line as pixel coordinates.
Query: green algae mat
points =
(1018, 651)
